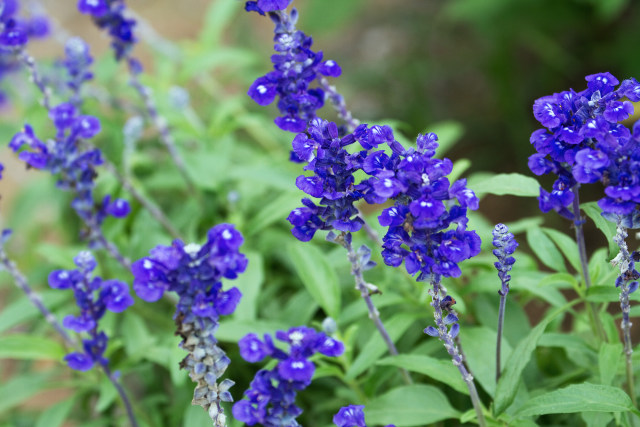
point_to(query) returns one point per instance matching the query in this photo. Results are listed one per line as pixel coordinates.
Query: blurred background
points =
(479, 63)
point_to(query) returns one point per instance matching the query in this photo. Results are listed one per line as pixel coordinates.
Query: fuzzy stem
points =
(453, 351)
(503, 299)
(35, 77)
(123, 395)
(365, 289)
(578, 222)
(21, 282)
(443, 293)
(625, 263)
(337, 100)
(161, 126)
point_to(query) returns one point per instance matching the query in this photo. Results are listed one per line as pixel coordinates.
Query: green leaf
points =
(603, 294)
(196, 416)
(108, 395)
(249, 284)
(438, 369)
(578, 398)
(608, 360)
(55, 415)
(317, 275)
(272, 212)
(18, 346)
(545, 250)
(376, 347)
(567, 246)
(412, 405)
(22, 309)
(218, 16)
(608, 228)
(508, 384)
(511, 184)
(476, 343)
(19, 389)
(136, 337)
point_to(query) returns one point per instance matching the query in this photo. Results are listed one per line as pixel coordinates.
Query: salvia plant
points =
(339, 273)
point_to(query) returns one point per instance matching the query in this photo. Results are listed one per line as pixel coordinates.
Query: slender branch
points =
(366, 289)
(443, 292)
(628, 274)
(337, 100)
(503, 299)
(123, 395)
(35, 77)
(578, 223)
(160, 124)
(445, 336)
(21, 282)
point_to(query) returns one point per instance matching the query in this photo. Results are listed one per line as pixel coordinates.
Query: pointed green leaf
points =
(545, 250)
(608, 361)
(413, 405)
(55, 415)
(567, 246)
(317, 275)
(511, 184)
(376, 347)
(249, 284)
(28, 347)
(508, 384)
(438, 369)
(608, 228)
(578, 398)
(23, 309)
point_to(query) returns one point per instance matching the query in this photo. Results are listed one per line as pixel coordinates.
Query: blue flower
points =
(296, 68)
(93, 296)
(505, 245)
(271, 396)
(195, 273)
(109, 15)
(584, 142)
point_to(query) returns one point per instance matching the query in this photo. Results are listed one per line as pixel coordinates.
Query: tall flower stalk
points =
(195, 273)
(505, 245)
(109, 15)
(447, 329)
(627, 281)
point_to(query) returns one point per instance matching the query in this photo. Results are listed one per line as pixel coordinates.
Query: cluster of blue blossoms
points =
(94, 296)
(194, 272)
(75, 165)
(15, 32)
(77, 63)
(584, 142)
(109, 15)
(505, 245)
(351, 416)
(296, 67)
(271, 396)
(427, 205)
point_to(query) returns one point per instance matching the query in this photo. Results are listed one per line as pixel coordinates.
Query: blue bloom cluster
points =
(296, 67)
(333, 178)
(584, 142)
(505, 245)
(94, 296)
(271, 397)
(351, 416)
(427, 206)
(15, 32)
(75, 165)
(109, 15)
(195, 272)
